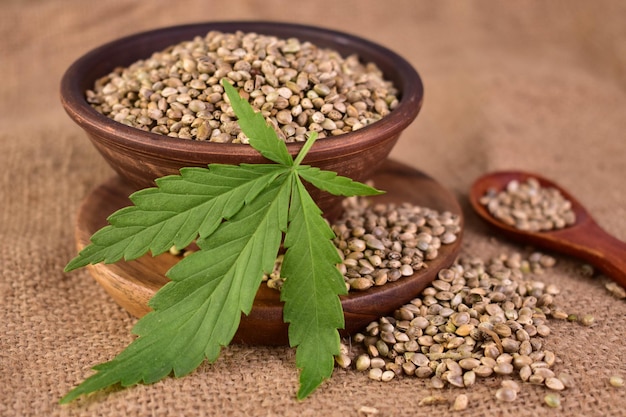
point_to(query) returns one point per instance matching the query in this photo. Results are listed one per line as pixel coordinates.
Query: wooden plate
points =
(133, 283)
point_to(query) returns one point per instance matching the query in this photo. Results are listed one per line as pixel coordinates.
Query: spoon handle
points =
(602, 250)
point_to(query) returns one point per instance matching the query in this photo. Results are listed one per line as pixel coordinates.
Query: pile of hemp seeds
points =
(477, 319)
(297, 86)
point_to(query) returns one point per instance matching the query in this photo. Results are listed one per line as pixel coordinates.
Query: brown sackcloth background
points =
(539, 86)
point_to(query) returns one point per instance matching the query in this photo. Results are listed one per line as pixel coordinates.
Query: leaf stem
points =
(305, 149)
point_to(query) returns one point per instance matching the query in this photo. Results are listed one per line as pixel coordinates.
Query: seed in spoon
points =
(529, 206)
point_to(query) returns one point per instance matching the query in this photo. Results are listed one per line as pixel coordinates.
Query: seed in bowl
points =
(296, 85)
(382, 243)
(530, 206)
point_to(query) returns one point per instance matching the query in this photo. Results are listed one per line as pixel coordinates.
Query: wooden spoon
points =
(585, 239)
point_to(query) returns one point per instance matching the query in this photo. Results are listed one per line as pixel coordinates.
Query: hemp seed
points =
(616, 381)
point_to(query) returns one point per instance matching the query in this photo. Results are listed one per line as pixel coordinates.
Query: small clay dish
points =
(139, 157)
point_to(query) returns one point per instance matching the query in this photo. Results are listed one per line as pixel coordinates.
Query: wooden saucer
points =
(133, 283)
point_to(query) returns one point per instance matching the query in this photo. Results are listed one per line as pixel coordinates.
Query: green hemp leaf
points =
(239, 216)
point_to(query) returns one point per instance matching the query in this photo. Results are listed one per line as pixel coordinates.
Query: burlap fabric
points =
(539, 86)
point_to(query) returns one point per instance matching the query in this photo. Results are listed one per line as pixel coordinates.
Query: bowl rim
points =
(73, 97)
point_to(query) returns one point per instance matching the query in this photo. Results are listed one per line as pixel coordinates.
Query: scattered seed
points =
(437, 382)
(363, 362)
(506, 394)
(366, 411)
(433, 400)
(555, 384)
(469, 378)
(376, 374)
(560, 314)
(552, 400)
(616, 290)
(455, 379)
(343, 361)
(377, 363)
(549, 358)
(616, 381)
(387, 376)
(510, 384)
(503, 369)
(525, 373)
(460, 402)
(587, 320)
(469, 363)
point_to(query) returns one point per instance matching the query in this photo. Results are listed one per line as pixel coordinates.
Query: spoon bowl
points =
(585, 239)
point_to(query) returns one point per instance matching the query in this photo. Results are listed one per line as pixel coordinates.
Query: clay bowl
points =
(139, 157)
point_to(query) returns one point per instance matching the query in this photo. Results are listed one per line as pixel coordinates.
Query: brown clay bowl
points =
(139, 157)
